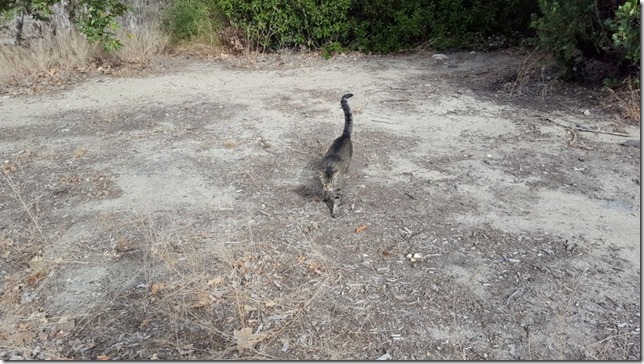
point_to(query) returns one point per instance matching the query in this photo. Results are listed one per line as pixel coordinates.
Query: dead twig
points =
(602, 132)
(18, 196)
(576, 128)
(396, 100)
(515, 295)
(574, 140)
(383, 122)
(612, 337)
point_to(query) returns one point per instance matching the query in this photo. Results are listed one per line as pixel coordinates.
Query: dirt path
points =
(175, 216)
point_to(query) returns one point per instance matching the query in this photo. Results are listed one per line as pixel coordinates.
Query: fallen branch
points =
(382, 121)
(575, 128)
(574, 140)
(602, 132)
(612, 337)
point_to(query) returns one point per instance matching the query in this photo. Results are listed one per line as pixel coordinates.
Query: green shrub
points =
(569, 30)
(376, 25)
(578, 31)
(626, 31)
(388, 25)
(275, 24)
(97, 20)
(193, 20)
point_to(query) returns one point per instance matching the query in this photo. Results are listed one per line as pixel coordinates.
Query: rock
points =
(439, 57)
(384, 357)
(631, 143)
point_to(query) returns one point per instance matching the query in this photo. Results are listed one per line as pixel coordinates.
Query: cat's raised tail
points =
(348, 116)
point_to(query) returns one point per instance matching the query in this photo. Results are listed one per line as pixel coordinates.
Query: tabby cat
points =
(337, 158)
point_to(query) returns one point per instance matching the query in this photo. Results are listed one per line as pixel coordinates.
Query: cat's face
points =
(329, 183)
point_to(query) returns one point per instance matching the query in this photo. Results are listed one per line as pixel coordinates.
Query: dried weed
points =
(629, 103)
(54, 57)
(534, 70)
(143, 45)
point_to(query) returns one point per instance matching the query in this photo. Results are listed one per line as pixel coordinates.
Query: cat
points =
(338, 157)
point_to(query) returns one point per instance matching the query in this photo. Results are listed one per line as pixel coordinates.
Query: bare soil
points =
(175, 215)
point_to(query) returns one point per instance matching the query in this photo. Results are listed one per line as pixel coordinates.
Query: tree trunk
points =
(19, 23)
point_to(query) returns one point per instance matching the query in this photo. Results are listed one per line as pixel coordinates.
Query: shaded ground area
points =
(175, 216)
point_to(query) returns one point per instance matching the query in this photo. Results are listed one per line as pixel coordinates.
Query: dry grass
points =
(533, 72)
(53, 57)
(23, 323)
(209, 283)
(198, 49)
(143, 45)
(54, 60)
(628, 101)
(197, 298)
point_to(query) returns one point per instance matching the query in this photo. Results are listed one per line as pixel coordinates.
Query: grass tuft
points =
(48, 58)
(143, 45)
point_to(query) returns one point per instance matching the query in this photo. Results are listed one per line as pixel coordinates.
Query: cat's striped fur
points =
(338, 157)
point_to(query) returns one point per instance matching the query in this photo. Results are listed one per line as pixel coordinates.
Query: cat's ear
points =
(322, 175)
(334, 176)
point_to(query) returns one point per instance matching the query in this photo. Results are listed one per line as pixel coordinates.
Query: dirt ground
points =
(175, 215)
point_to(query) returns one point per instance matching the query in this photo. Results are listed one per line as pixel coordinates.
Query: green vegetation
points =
(193, 20)
(380, 26)
(273, 24)
(386, 25)
(626, 30)
(576, 32)
(97, 20)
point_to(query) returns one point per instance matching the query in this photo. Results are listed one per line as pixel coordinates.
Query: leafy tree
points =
(97, 20)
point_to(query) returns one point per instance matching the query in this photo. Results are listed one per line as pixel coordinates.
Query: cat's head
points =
(329, 183)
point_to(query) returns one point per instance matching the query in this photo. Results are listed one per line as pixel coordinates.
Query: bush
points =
(97, 20)
(388, 25)
(578, 31)
(569, 30)
(276, 24)
(193, 20)
(376, 25)
(626, 31)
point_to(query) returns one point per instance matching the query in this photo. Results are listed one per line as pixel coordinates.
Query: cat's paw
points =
(335, 210)
(335, 206)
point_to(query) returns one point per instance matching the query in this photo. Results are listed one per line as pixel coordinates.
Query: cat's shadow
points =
(308, 183)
